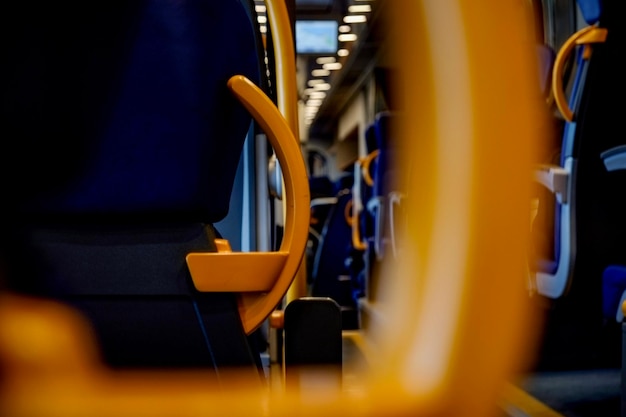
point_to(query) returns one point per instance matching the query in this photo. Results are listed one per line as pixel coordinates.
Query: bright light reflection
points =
(320, 72)
(325, 59)
(333, 66)
(323, 87)
(358, 18)
(362, 8)
(347, 37)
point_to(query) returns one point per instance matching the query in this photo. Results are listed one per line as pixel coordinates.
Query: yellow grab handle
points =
(352, 217)
(262, 278)
(352, 212)
(254, 307)
(365, 167)
(585, 36)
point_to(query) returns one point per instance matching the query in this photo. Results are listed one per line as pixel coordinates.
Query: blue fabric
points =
(551, 265)
(145, 120)
(591, 10)
(613, 285)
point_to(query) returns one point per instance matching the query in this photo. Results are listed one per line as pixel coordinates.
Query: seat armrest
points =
(555, 178)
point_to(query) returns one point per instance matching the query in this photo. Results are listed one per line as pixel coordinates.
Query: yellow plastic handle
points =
(262, 278)
(352, 217)
(585, 36)
(365, 167)
(254, 307)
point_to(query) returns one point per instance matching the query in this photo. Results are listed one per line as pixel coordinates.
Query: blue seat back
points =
(127, 142)
(337, 263)
(129, 101)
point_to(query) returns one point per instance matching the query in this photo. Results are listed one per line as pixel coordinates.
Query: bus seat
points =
(386, 198)
(323, 197)
(554, 271)
(589, 222)
(337, 262)
(128, 139)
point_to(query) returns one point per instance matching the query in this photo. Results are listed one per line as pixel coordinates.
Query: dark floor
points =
(577, 393)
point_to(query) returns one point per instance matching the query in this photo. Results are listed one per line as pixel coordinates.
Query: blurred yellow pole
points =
(287, 94)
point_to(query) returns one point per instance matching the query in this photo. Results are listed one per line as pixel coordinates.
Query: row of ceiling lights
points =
(318, 85)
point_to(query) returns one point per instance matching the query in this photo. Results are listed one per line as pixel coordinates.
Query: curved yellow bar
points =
(347, 213)
(353, 221)
(454, 323)
(254, 308)
(585, 36)
(262, 278)
(365, 167)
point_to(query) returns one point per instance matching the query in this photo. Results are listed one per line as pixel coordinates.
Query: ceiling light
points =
(320, 72)
(325, 59)
(362, 8)
(313, 83)
(347, 37)
(357, 18)
(332, 66)
(323, 86)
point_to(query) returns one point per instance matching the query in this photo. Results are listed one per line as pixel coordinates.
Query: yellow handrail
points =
(287, 97)
(296, 196)
(585, 36)
(271, 272)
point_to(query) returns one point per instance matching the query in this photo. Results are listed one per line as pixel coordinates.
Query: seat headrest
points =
(123, 109)
(591, 10)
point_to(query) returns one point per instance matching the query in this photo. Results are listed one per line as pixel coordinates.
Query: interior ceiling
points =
(356, 66)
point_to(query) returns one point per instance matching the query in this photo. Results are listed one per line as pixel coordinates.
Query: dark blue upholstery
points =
(385, 183)
(591, 10)
(613, 286)
(337, 263)
(126, 142)
(569, 140)
(145, 82)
